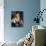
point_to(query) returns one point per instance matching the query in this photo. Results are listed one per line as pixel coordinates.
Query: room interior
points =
(16, 36)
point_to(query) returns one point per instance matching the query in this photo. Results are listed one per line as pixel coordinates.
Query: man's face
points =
(17, 18)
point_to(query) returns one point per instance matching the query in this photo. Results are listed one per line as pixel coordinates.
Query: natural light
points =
(1, 25)
(1, 21)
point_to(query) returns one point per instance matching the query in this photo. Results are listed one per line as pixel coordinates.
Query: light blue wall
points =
(29, 7)
(43, 6)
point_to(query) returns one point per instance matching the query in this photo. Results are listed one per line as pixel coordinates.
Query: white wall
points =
(1, 21)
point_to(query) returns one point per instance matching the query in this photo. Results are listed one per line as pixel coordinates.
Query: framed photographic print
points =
(17, 18)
